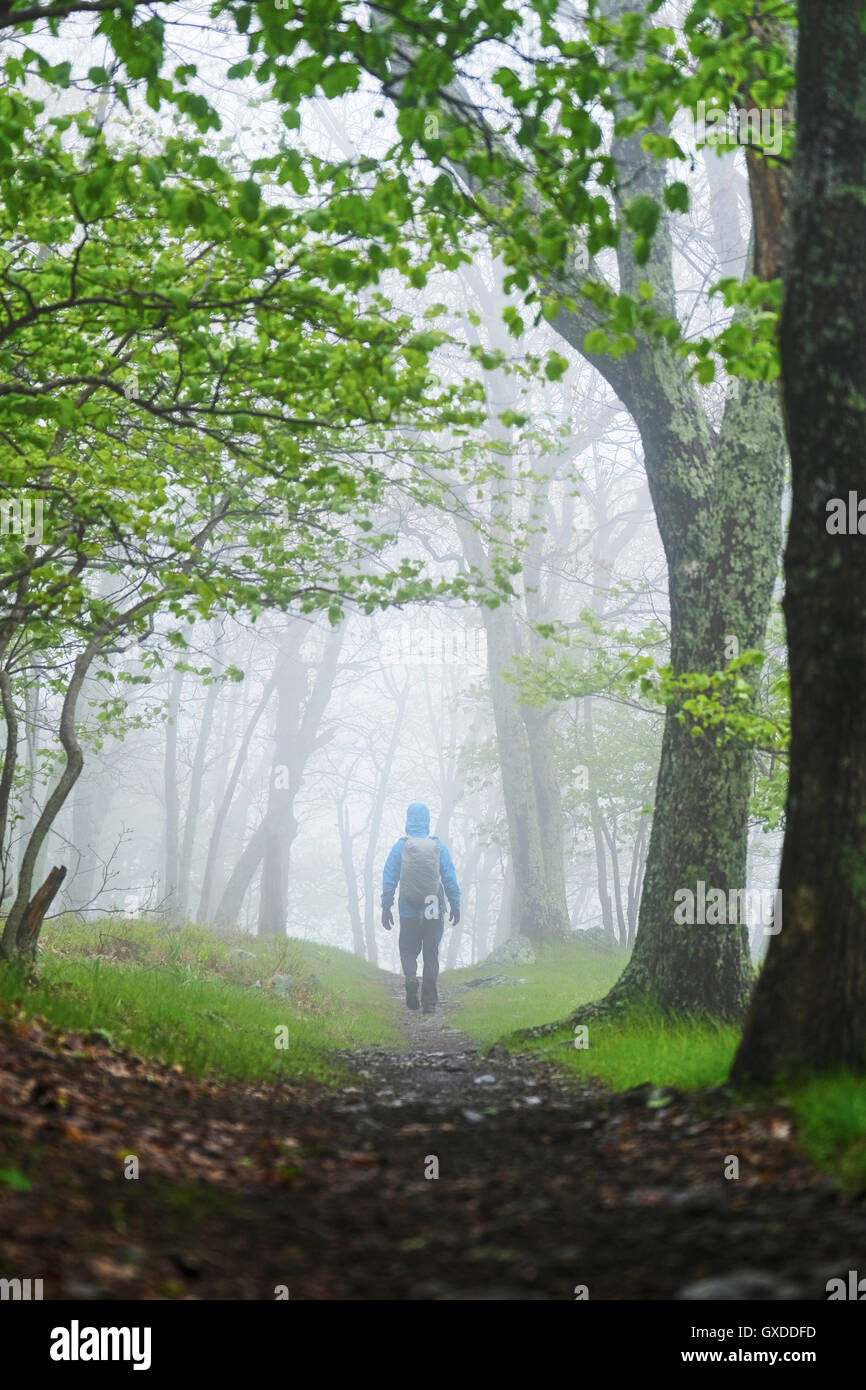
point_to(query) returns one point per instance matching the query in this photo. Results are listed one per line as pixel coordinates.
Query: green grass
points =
(180, 996)
(831, 1116)
(564, 975)
(648, 1047)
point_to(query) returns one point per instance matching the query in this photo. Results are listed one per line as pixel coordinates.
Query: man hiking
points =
(421, 866)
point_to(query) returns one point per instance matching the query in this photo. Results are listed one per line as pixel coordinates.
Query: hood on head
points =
(417, 819)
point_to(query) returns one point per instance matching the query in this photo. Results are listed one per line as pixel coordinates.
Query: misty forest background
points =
(390, 410)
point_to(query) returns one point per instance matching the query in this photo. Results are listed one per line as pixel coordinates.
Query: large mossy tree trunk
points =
(720, 524)
(717, 501)
(808, 1013)
(718, 508)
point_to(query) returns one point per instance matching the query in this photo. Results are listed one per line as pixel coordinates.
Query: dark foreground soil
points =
(324, 1194)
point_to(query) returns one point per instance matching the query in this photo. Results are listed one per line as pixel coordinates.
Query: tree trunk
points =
(351, 877)
(481, 906)
(506, 909)
(279, 827)
(267, 844)
(371, 898)
(90, 805)
(596, 823)
(535, 912)
(193, 800)
(621, 934)
(225, 803)
(7, 778)
(539, 726)
(14, 940)
(29, 802)
(530, 787)
(717, 505)
(457, 933)
(808, 1013)
(298, 739)
(295, 738)
(171, 830)
(38, 907)
(635, 878)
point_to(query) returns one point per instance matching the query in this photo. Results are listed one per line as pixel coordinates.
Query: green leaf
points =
(677, 197)
(342, 77)
(642, 215)
(249, 200)
(595, 341)
(556, 366)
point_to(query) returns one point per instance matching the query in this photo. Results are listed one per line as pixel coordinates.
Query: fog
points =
(253, 769)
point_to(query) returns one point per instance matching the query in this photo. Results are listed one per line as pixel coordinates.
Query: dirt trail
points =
(544, 1187)
(540, 1187)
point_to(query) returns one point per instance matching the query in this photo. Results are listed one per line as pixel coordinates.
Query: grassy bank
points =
(563, 976)
(206, 1002)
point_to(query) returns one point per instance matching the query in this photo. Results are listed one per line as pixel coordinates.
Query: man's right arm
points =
(391, 874)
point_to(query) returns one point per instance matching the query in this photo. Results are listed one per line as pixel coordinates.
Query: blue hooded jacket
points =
(418, 824)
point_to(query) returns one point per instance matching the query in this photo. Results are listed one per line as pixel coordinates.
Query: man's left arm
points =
(450, 884)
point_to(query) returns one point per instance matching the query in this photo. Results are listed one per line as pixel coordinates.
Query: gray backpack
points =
(419, 869)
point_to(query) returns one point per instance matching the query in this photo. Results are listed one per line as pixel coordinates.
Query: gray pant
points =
(421, 934)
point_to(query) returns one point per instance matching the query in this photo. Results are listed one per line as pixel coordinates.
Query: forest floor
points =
(545, 1183)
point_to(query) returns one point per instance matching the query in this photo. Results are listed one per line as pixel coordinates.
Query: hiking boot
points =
(411, 994)
(429, 1008)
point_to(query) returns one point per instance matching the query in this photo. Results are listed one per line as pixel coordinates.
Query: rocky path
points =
(438, 1174)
